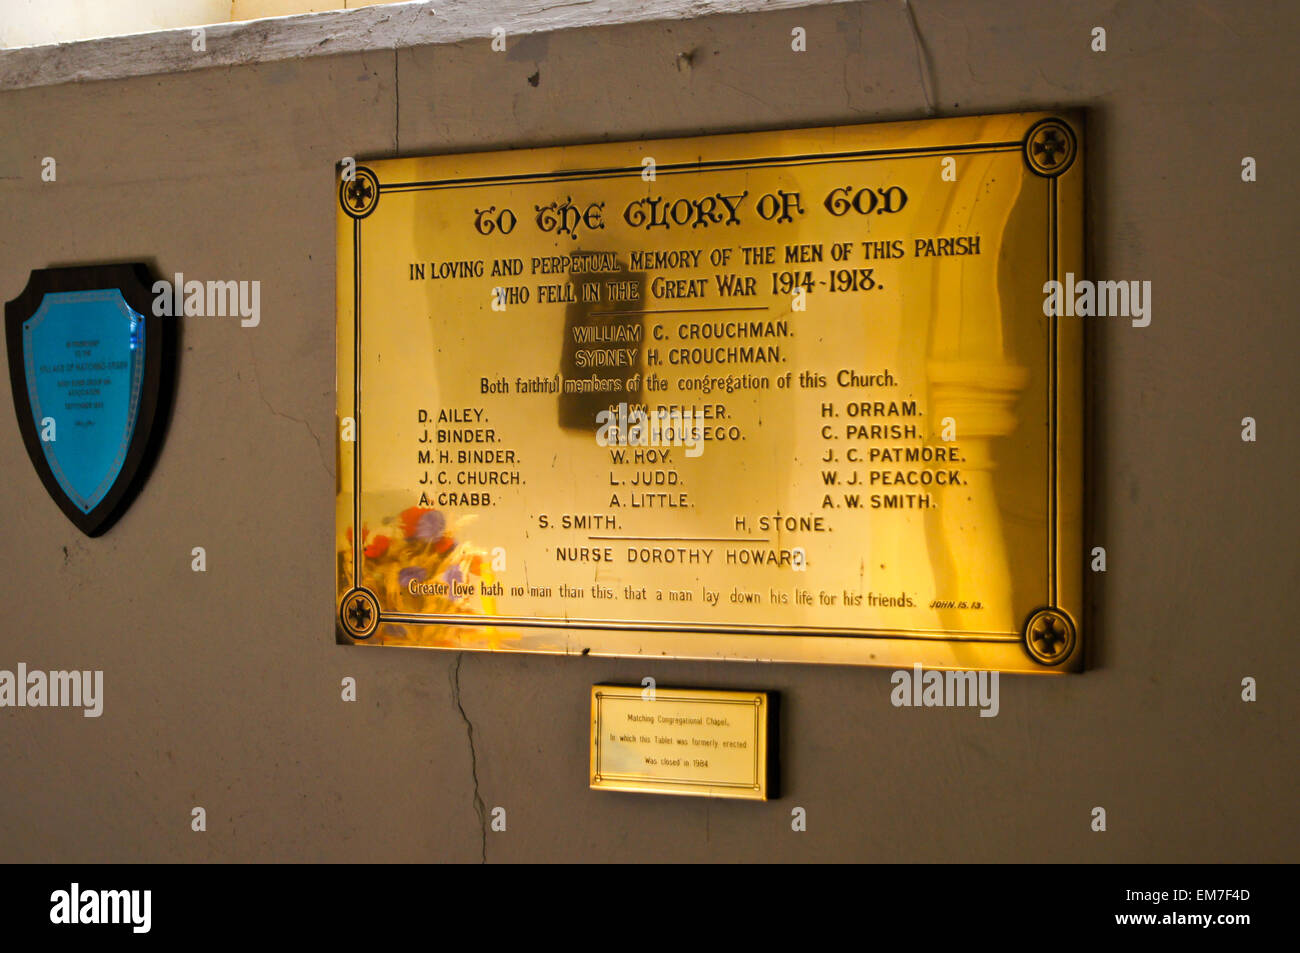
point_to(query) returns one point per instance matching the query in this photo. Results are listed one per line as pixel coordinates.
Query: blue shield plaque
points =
(91, 368)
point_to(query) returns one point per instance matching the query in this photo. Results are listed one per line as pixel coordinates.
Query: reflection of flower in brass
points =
(419, 564)
(1049, 636)
(1050, 147)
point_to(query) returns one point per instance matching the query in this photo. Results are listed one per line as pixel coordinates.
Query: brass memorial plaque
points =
(680, 741)
(786, 396)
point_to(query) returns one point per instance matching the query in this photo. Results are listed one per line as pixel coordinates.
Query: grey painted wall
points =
(222, 689)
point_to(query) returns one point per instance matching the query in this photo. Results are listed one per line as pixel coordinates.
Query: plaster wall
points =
(222, 688)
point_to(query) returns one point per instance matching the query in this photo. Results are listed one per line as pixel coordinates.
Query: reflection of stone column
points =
(602, 327)
(974, 382)
(979, 397)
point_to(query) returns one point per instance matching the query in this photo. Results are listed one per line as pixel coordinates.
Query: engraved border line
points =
(722, 628)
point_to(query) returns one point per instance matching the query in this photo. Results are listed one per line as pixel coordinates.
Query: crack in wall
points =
(923, 64)
(320, 450)
(402, 40)
(479, 807)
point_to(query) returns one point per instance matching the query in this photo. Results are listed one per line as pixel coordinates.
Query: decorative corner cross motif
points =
(1050, 147)
(360, 615)
(360, 194)
(1049, 636)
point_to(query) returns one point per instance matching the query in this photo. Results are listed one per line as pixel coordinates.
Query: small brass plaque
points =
(680, 741)
(785, 396)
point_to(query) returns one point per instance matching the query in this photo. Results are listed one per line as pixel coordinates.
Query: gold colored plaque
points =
(680, 741)
(787, 396)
